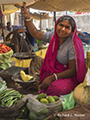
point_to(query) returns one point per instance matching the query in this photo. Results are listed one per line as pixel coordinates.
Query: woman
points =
(64, 65)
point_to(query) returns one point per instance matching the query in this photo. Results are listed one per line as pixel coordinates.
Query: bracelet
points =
(28, 19)
(55, 76)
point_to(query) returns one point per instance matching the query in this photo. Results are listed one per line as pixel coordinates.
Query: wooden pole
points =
(40, 21)
(66, 12)
(55, 16)
(2, 27)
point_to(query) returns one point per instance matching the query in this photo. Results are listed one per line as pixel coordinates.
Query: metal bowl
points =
(24, 55)
(17, 79)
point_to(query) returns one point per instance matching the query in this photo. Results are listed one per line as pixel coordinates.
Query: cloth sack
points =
(5, 59)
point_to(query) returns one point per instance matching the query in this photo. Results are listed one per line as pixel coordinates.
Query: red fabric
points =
(51, 65)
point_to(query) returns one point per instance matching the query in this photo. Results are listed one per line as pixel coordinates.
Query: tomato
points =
(4, 48)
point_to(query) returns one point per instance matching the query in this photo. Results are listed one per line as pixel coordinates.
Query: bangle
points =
(55, 76)
(28, 19)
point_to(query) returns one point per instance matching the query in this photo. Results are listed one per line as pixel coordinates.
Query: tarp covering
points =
(26, 62)
(8, 9)
(62, 5)
(41, 16)
(47, 5)
(11, 6)
(16, 1)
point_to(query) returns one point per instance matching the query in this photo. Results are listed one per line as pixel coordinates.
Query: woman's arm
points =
(80, 33)
(32, 29)
(70, 71)
(65, 74)
(18, 31)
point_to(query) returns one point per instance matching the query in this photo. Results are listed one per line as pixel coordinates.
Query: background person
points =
(78, 32)
(8, 27)
(64, 65)
(21, 44)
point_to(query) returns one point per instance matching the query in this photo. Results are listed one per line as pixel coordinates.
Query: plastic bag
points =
(68, 102)
(38, 110)
(17, 110)
(5, 59)
(39, 41)
(2, 84)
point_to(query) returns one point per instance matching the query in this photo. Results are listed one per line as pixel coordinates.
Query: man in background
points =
(8, 27)
(21, 44)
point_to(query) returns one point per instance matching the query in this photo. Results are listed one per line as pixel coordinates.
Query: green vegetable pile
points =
(24, 113)
(9, 97)
(43, 98)
(42, 107)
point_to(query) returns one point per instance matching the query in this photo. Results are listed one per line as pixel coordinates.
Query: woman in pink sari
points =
(64, 65)
(60, 79)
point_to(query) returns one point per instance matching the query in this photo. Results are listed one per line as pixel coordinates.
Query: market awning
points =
(8, 9)
(47, 5)
(62, 5)
(2, 2)
(40, 16)
(11, 6)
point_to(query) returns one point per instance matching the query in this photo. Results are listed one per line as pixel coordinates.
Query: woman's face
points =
(63, 29)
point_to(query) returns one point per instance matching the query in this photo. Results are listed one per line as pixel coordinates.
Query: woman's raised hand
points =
(25, 12)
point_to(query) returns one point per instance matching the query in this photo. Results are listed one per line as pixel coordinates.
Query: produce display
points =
(24, 113)
(11, 101)
(42, 107)
(4, 48)
(43, 98)
(25, 77)
(81, 93)
(9, 97)
(5, 56)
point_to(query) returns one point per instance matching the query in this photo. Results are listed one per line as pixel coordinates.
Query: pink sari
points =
(51, 65)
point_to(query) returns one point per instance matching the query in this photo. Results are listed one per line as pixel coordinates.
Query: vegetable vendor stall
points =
(38, 104)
